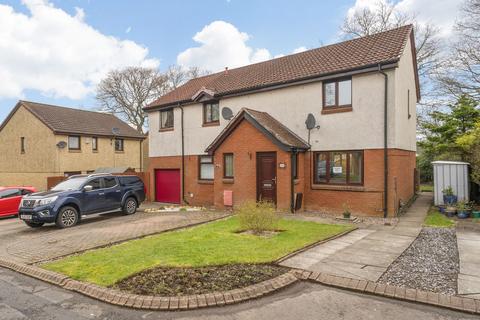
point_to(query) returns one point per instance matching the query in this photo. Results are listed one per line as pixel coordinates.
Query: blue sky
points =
(56, 51)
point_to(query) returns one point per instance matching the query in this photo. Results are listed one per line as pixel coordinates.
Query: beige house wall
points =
(42, 158)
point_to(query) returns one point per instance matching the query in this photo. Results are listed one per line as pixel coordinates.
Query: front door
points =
(267, 176)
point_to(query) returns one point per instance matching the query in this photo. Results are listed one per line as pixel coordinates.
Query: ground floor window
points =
(338, 167)
(228, 165)
(205, 170)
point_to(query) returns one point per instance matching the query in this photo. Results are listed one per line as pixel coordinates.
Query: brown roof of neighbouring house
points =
(62, 120)
(381, 48)
(272, 128)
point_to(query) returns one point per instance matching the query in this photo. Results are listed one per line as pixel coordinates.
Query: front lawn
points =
(437, 220)
(214, 243)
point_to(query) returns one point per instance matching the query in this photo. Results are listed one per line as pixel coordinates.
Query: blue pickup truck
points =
(80, 195)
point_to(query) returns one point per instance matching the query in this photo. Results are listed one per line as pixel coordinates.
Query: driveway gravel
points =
(431, 263)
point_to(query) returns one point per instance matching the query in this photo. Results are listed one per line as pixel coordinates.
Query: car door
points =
(113, 193)
(94, 200)
(9, 201)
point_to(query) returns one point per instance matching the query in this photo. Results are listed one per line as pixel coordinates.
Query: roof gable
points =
(62, 120)
(357, 54)
(279, 134)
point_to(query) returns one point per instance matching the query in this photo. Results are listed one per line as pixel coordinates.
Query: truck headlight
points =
(42, 202)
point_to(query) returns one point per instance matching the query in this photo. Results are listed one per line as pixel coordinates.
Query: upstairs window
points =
(337, 93)
(118, 144)
(166, 119)
(211, 113)
(94, 143)
(74, 143)
(205, 170)
(22, 144)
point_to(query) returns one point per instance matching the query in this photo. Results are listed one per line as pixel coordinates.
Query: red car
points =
(10, 198)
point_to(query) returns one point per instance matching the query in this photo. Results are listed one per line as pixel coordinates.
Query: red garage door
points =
(167, 185)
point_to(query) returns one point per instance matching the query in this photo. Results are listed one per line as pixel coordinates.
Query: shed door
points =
(167, 185)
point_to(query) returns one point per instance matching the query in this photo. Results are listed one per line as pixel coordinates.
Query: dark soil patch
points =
(162, 281)
(431, 263)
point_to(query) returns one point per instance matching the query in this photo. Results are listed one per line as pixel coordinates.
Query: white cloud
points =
(221, 45)
(58, 54)
(128, 30)
(442, 13)
(300, 49)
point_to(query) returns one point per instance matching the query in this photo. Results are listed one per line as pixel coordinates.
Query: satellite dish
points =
(310, 122)
(227, 113)
(115, 131)
(61, 145)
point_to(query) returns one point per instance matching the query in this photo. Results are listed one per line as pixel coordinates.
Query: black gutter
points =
(385, 143)
(293, 161)
(183, 157)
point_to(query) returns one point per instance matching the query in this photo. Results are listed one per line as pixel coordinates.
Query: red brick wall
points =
(244, 143)
(196, 192)
(368, 199)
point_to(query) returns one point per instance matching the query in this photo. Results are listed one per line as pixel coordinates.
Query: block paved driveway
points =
(365, 254)
(23, 244)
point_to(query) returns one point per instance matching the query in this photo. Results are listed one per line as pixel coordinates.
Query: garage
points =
(167, 185)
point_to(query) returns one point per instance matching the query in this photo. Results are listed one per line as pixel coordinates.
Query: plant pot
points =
(463, 214)
(450, 199)
(476, 214)
(450, 212)
(441, 209)
(346, 215)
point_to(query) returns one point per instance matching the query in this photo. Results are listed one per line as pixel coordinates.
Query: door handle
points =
(274, 180)
(118, 191)
(101, 193)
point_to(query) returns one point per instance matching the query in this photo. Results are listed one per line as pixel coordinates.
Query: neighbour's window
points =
(22, 144)
(94, 143)
(166, 119)
(109, 182)
(71, 173)
(337, 93)
(90, 171)
(10, 193)
(74, 143)
(211, 113)
(118, 144)
(339, 167)
(228, 165)
(408, 104)
(205, 167)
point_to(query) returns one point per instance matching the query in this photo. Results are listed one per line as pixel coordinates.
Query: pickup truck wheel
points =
(67, 217)
(130, 206)
(34, 224)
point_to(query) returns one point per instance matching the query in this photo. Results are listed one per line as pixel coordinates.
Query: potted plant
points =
(475, 213)
(450, 210)
(463, 210)
(448, 196)
(346, 211)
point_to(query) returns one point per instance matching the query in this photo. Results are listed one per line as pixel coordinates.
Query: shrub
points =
(257, 216)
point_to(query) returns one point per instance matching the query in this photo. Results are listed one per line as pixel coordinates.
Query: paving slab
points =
(469, 253)
(365, 254)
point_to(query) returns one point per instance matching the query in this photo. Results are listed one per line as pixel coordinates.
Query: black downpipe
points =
(385, 143)
(183, 156)
(292, 179)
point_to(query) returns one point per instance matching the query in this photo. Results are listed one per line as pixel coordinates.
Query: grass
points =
(426, 188)
(215, 243)
(437, 220)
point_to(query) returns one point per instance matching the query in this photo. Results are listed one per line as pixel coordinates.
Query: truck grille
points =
(28, 203)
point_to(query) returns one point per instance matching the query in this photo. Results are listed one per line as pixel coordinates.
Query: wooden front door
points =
(267, 176)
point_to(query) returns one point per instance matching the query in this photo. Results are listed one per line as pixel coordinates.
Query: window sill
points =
(205, 181)
(95, 151)
(296, 181)
(330, 110)
(211, 124)
(337, 187)
(228, 180)
(165, 129)
(74, 150)
(119, 151)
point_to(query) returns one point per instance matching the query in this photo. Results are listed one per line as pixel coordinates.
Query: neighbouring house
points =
(316, 130)
(39, 141)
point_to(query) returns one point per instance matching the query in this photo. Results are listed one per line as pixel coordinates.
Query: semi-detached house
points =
(316, 130)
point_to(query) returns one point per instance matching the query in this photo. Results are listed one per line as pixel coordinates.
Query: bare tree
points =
(177, 75)
(461, 75)
(125, 92)
(385, 16)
